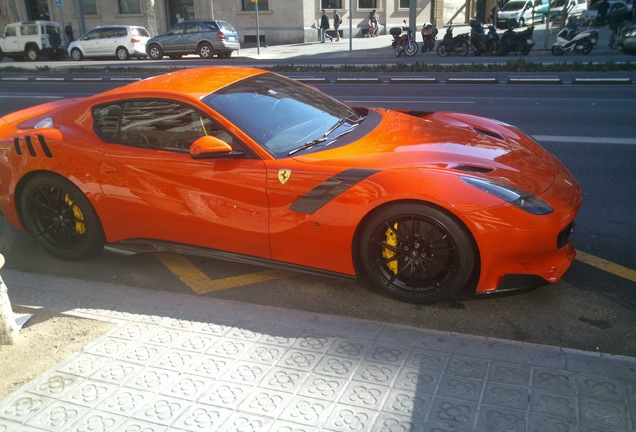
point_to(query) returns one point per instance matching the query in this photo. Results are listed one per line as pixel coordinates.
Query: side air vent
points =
(32, 147)
(489, 133)
(473, 169)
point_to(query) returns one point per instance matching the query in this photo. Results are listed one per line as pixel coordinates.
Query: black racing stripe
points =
(330, 189)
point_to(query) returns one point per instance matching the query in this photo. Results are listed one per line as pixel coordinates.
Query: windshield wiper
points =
(323, 138)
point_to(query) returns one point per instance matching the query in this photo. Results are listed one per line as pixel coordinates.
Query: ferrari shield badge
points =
(284, 175)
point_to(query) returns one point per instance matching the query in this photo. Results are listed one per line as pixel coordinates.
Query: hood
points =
(460, 144)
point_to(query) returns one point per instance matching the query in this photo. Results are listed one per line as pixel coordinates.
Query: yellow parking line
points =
(200, 283)
(610, 267)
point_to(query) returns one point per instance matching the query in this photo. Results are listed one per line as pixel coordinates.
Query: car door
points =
(193, 34)
(173, 41)
(90, 43)
(154, 189)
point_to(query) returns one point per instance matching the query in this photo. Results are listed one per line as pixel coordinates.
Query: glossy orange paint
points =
(242, 206)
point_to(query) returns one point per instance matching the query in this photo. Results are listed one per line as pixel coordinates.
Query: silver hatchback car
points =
(207, 38)
(119, 41)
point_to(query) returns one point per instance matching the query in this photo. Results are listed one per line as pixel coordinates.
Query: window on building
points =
(129, 6)
(248, 5)
(404, 4)
(331, 4)
(89, 7)
(367, 4)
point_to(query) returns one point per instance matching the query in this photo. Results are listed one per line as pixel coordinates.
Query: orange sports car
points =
(244, 164)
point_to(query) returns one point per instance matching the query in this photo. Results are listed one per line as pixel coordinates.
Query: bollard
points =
(8, 328)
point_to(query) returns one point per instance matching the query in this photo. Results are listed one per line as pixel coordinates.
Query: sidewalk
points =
(380, 47)
(179, 362)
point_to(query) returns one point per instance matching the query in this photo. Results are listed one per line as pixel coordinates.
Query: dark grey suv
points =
(206, 38)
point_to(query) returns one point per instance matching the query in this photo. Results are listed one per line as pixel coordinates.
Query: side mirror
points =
(208, 147)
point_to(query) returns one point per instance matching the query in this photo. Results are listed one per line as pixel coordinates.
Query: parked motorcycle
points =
(429, 32)
(457, 45)
(403, 42)
(570, 39)
(517, 42)
(484, 43)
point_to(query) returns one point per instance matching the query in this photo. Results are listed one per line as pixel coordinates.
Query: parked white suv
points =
(118, 41)
(31, 39)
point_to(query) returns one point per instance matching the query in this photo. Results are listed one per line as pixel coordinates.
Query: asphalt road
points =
(591, 308)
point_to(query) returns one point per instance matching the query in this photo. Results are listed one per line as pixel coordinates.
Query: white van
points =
(515, 13)
(118, 41)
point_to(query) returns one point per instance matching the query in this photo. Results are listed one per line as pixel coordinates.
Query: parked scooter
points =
(484, 43)
(429, 32)
(457, 45)
(517, 42)
(570, 39)
(403, 42)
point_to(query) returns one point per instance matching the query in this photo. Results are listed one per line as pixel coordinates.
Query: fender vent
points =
(33, 148)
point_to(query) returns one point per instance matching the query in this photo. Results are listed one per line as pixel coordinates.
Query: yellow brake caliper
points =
(391, 240)
(80, 227)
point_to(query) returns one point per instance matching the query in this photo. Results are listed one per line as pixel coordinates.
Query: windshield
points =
(513, 6)
(280, 114)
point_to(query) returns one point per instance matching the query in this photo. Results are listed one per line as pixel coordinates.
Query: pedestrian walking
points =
(324, 26)
(337, 20)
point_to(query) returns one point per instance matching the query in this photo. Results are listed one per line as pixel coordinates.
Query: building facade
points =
(279, 21)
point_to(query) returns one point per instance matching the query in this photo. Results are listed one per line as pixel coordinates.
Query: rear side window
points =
(28, 30)
(226, 27)
(139, 31)
(155, 124)
(211, 25)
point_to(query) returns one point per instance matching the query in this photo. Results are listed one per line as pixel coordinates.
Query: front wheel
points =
(587, 47)
(155, 52)
(76, 54)
(496, 49)
(557, 50)
(60, 218)
(442, 51)
(411, 49)
(416, 253)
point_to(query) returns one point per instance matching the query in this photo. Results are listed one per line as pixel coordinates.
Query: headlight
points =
(518, 198)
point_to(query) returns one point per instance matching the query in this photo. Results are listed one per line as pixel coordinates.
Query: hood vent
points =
(473, 169)
(489, 133)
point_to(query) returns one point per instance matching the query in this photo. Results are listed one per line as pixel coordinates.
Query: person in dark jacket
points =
(603, 7)
(324, 26)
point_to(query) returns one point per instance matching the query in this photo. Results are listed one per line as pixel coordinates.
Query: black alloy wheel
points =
(417, 253)
(60, 218)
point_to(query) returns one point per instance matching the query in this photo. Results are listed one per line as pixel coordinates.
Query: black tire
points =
(122, 53)
(154, 52)
(496, 49)
(463, 50)
(32, 53)
(411, 49)
(416, 253)
(55, 39)
(442, 51)
(60, 218)
(205, 51)
(76, 54)
(588, 46)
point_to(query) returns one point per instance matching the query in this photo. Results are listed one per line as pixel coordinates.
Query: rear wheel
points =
(587, 47)
(33, 53)
(463, 49)
(416, 253)
(205, 51)
(442, 51)
(122, 53)
(60, 218)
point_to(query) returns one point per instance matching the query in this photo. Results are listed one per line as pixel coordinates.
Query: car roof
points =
(196, 82)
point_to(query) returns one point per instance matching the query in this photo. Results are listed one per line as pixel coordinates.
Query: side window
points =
(165, 125)
(92, 35)
(178, 29)
(120, 32)
(106, 120)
